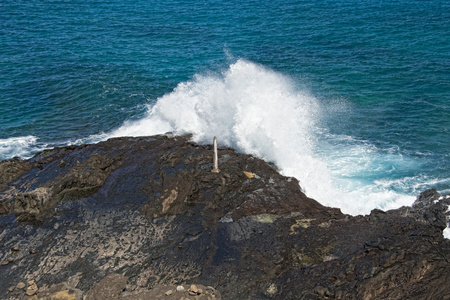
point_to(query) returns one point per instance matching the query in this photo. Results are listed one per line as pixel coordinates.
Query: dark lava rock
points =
(132, 218)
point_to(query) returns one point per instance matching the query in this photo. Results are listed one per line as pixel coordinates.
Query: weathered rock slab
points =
(139, 218)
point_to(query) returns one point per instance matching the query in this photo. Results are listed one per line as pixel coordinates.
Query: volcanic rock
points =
(32, 288)
(20, 285)
(132, 218)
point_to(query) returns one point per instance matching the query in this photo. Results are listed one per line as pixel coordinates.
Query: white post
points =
(216, 158)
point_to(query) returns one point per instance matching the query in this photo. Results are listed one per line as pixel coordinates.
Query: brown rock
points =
(109, 287)
(20, 285)
(10, 170)
(63, 295)
(168, 293)
(193, 289)
(62, 291)
(32, 288)
(31, 291)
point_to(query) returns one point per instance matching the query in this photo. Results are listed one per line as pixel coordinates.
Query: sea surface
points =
(350, 97)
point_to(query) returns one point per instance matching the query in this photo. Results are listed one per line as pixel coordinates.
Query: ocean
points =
(350, 97)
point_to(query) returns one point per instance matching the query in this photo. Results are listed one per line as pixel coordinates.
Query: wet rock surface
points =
(145, 218)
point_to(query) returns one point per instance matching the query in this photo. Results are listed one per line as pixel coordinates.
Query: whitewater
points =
(261, 112)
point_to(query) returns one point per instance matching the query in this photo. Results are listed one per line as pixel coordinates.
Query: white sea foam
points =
(22, 146)
(261, 112)
(446, 232)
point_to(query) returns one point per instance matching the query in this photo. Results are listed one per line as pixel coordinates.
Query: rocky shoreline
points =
(145, 218)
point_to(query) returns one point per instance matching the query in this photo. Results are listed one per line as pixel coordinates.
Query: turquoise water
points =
(350, 97)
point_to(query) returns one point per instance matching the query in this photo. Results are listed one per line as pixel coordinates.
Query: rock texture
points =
(145, 218)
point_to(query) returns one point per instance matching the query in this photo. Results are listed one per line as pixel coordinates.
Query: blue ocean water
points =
(350, 97)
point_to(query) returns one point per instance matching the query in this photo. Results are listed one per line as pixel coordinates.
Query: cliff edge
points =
(145, 218)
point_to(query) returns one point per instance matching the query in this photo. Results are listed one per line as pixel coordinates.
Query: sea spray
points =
(261, 112)
(250, 108)
(22, 146)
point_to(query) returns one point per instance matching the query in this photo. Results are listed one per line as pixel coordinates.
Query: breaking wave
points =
(261, 112)
(22, 146)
